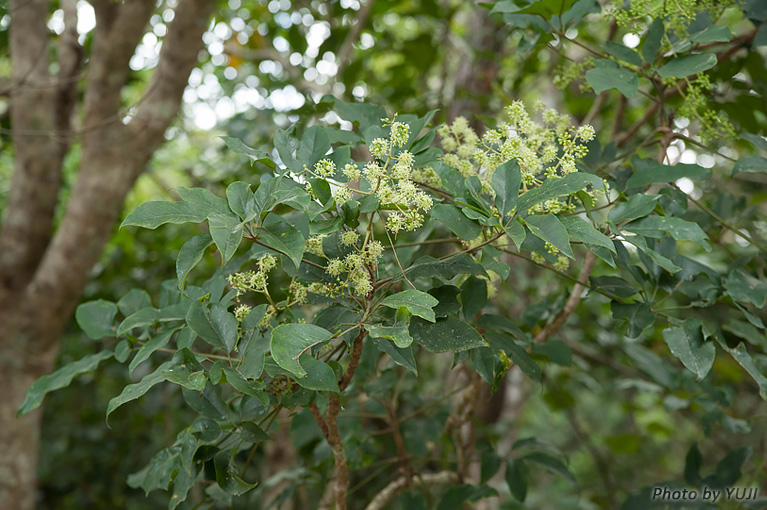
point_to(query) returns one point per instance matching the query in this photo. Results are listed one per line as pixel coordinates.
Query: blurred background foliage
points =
(266, 66)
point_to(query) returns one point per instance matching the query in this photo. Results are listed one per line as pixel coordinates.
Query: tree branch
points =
(572, 302)
(396, 486)
(344, 53)
(178, 57)
(28, 219)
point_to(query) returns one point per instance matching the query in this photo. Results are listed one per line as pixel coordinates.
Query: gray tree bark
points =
(43, 273)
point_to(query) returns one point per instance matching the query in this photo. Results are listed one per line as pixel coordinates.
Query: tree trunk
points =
(42, 275)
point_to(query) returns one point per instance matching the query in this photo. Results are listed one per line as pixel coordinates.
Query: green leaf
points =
(551, 464)
(255, 155)
(204, 200)
(551, 230)
(623, 53)
(506, 180)
(688, 65)
(216, 326)
(226, 475)
(397, 333)
(744, 288)
(757, 141)
(289, 341)
(554, 188)
(153, 214)
(653, 41)
(608, 74)
(446, 335)
(417, 302)
(403, 357)
(583, 231)
(638, 316)
(681, 230)
(744, 359)
(61, 378)
(136, 390)
(148, 316)
(315, 143)
(750, 164)
(687, 344)
(483, 361)
(241, 200)
(208, 403)
(239, 383)
(319, 376)
(284, 238)
(455, 497)
(656, 257)
(614, 286)
(516, 478)
(516, 352)
(516, 232)
(133, 301)
(637, 206)
(226, 231)
(96, 318)
(158, 341)
(473, 297)
(712, 33)
(190, 255)
(664, 173)
(427, 267)
(456, 221)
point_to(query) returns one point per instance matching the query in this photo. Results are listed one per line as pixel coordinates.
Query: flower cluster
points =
(357, 268)
(543, 149)
(254, 280)
(677, 15)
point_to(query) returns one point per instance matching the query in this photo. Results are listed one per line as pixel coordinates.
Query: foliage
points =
(369, 252)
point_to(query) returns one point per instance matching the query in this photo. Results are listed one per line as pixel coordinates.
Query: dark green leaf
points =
(136, 390)
(584, 232)
(156, 342)
(215, 326)
(551, 230)
(744, 359)
(516, 352)
(608, 74)
(456, 221)
(455, 497)
(403, 357)
(516, 478)
(208, 403)
(554, 188)
(506, 180)
(637, 206)
(427, 267)
(315, 143)
(551, 464)
(473, 297)
(226, 231)
(690, 347)
(61, 378)
(446, 335)
(623, 53)
(712, 33)
(751, 164)
(681, 230)
(153, 214)
(664, 173)
(236, 145)
(96, 318)
(190, 255)
(227, 478)
(241, 200)
(289, 341)
(688, 65)
(284, 238)
(653, 41)
(638, 316)
(744, 288)
(613, 286)
(417, 302)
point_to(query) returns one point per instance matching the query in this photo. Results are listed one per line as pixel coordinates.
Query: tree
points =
(42, 275)
(318, 318)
